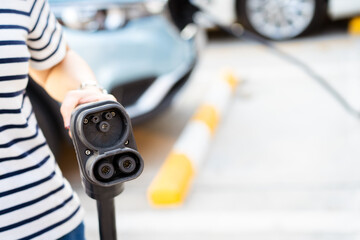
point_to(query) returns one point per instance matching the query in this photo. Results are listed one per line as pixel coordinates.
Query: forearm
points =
(62, 82)
(65, 76)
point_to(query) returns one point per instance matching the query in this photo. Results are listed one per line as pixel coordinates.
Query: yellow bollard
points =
(173, 181)
(354, 26)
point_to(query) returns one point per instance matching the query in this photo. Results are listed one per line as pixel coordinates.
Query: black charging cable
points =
(238, 31)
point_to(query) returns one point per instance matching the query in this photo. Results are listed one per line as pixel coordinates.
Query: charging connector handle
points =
(103, 138)
(107, 220)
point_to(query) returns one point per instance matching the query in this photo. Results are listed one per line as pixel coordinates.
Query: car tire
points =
(182, 12)
(253, 14)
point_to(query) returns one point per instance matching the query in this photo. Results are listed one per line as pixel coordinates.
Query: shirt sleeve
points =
(45, 41)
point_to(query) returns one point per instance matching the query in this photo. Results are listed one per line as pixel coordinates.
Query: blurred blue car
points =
(135, 52)
(134, 49)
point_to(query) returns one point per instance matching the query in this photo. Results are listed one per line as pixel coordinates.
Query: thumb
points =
(66, 109)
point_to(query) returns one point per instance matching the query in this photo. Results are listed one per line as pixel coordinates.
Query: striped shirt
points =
(36, 202)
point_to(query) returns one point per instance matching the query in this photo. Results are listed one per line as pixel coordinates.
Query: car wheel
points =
(281, 19)
(182, 12)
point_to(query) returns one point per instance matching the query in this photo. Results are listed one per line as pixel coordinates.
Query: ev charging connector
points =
(107, 155)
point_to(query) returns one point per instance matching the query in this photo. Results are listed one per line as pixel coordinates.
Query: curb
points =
(354, 26)
(172, 182)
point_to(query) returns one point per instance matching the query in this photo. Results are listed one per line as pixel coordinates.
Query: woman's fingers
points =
(96, 98)
(77, 97)
(71, 100)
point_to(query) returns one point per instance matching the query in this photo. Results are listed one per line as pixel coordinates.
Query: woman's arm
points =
(63, 81)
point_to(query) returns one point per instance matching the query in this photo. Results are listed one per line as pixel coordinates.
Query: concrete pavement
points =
(285, 160)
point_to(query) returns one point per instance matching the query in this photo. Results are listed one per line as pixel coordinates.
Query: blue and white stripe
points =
(36, 202)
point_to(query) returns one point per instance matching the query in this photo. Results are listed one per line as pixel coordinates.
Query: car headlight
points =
(110, 17)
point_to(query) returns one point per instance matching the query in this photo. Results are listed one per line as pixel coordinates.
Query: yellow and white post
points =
(173, 181)
(354, 26)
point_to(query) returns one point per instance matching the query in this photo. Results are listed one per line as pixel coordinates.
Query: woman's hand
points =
(76, 97)
(69, 74)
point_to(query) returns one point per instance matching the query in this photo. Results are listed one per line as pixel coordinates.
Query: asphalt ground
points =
(284, 162)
